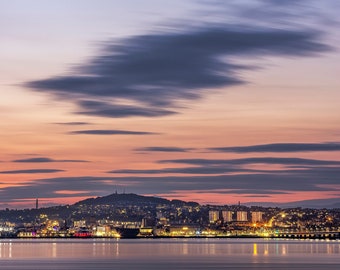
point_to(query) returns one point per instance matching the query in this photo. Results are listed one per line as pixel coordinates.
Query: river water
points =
(209, 253)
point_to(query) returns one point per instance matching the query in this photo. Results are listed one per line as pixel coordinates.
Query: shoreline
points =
(178, 237)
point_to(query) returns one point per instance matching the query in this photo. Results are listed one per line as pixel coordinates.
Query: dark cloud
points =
(189, 170)
(246, 191)
(73, 123)
(149, 75)
(105, 109)
(31, 171)
(110, 132)
(256, 196)
(163, 149)
(53, 187)
(268, 183)
(251, 183)
(45, 160)
(255, 160)
(239, 166)
(281, 147)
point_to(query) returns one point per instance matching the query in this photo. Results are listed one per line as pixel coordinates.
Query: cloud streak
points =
(45, 160)
(253, 183)
(296, 166)
(110, 132)
(150, 75)
(255, 160)
(105, 109)
(31, 171)
(281, 148)
(163, 149)
(73, 123)
(189, 170)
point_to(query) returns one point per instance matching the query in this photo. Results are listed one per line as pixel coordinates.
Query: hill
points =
(131, 199)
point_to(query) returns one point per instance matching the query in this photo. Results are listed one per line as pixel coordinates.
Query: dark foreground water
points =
(169, 254)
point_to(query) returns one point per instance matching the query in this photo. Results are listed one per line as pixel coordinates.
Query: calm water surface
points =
(169, 254)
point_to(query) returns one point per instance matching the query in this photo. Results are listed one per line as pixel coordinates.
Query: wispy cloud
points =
(244, 191)
(54, 187)
(241, 166)
(250, 183)
(110, 132)
(73, 123)
(189, 170)
(150, 75)
(45, 160)
(255, 160)
(105, 109)
(163, 149)
(31, 171)
(281, 147)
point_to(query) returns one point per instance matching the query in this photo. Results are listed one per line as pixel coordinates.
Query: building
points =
(227, 216)
(187, 230)
(79, 223)
(104, 231)
(148, 223)
(214, 216)
(256, 217)
(242, 216)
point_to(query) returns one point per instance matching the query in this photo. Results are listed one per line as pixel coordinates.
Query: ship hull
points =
(128, 232)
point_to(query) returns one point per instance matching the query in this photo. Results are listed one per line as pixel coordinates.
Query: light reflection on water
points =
(149, 253)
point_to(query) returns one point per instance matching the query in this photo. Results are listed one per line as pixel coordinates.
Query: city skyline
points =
(200, 101)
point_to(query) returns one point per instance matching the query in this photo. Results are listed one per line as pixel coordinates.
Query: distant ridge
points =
(315, 204)
(124, 199)
(130, 198)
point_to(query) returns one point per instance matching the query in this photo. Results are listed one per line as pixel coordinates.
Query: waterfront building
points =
(148, 223)
(227, 216)
(79, 223)
(187, 230)
(256, 217)
(214, 216)
(242, 216)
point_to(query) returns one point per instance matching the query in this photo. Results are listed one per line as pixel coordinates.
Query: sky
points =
(217, 102)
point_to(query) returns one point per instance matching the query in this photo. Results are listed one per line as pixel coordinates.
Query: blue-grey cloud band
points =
(240, 166)
(253, 160)
(163, 149)
(260, 148)
(153, 73)
(110, 132)
(31, 171)
(320, 180)
(281, 148)
(45, 160)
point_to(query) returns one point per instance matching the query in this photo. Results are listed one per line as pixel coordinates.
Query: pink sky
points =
(214, 103)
